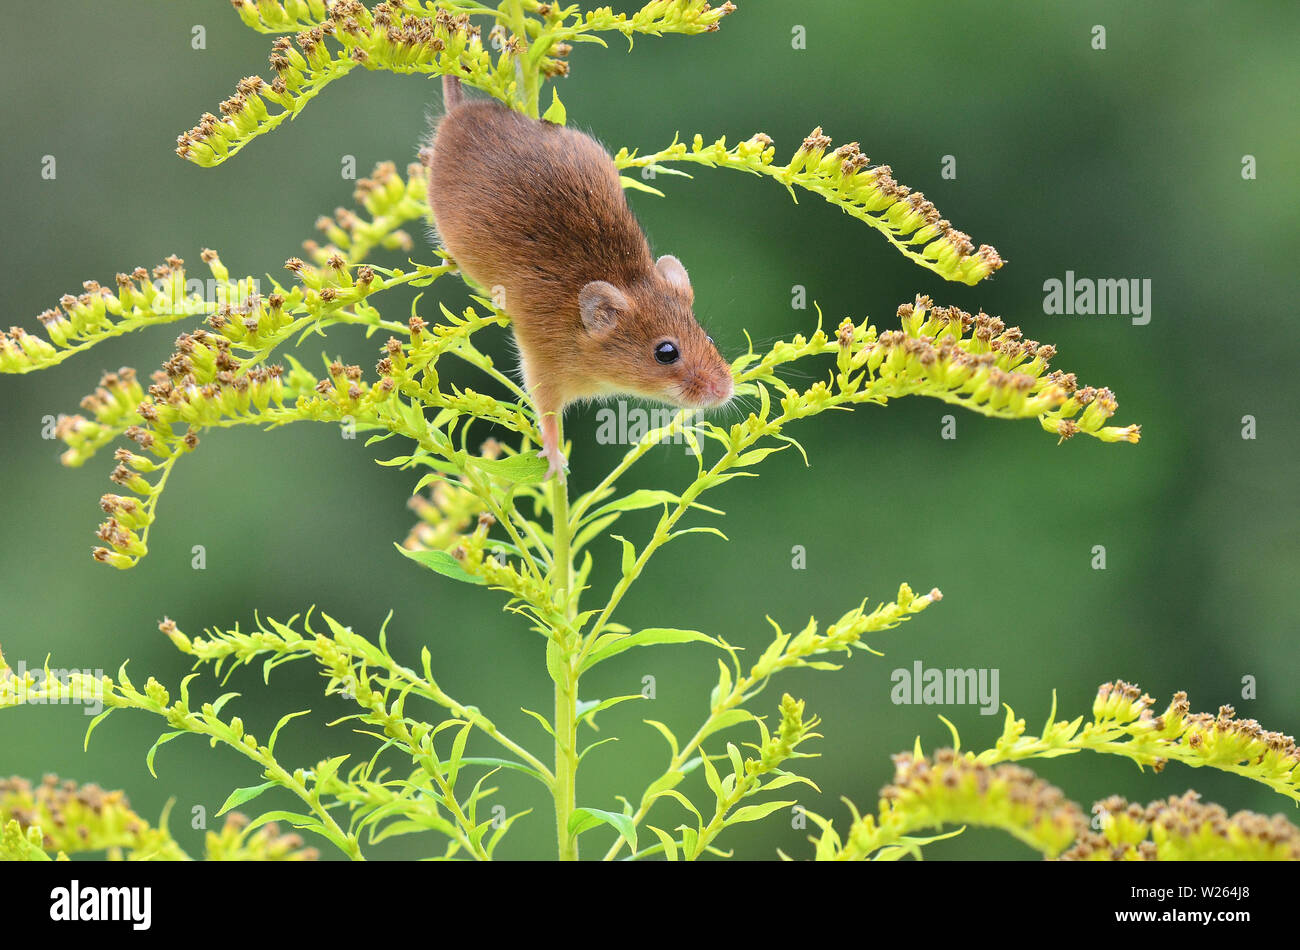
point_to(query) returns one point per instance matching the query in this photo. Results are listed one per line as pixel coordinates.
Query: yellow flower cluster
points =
(63, 818)
(951, 789)
(846, 178)
(72, 818)
(1183, 828)
(334, 40)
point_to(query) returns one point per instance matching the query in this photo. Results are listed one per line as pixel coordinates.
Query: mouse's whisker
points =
(743, 405)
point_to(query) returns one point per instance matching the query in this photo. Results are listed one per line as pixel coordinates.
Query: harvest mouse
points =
(536, 210)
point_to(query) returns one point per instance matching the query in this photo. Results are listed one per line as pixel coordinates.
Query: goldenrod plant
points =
(488, 519)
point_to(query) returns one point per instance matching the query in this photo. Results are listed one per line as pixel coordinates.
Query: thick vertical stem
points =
(563, 569)
(564, 789)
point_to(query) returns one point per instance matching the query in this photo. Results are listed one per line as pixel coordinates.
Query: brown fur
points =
(537, 209)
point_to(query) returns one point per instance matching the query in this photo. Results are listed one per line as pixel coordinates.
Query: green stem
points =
(566, 762)
(563, 557)
(514, 9)
(564, 788)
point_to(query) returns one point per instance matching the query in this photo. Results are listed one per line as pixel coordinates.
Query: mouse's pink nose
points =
(720, 390)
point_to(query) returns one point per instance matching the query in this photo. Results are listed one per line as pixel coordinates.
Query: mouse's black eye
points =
(710, 339)
(666, 352)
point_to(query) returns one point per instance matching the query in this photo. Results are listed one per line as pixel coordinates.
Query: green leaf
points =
(756, 812)
(756, 456)
(457, 750)
(737, 763)
(241, 795)
(555, 113)
(693, 442)
(588, 710)
(633, 501)
(540, 718)
(684, 801)
(690, 838)
(669, 170)
(409, 826)
(555, 661)
(956, 737)
(795, 443)
(702, 529)
(524, 469)
(298, 821)
(221, 701)
(425, 481)
(637, 185)
(503, 764)
(912, 845)
(789, 778)
(727, 719)
(629, 554)
(713, 481)
(583, 753)
(584, 819)
(665, 732)
(270, 743)
(669, 843)
(476, 796)
(645, 498)
(664, 783)
(645, 638)
(165, 737)
(500, 832)
(442, 563)
(723, 689)
(185, 691)
(95, 722)
(711, 776)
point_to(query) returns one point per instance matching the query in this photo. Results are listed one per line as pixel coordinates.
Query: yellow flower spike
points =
(1182, 828)
(950, 789)
(969, 789)
(64, 817)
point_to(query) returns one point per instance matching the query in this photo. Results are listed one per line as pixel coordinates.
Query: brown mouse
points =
(536, 210)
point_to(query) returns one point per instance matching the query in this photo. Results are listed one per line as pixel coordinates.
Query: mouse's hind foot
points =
(557, 464)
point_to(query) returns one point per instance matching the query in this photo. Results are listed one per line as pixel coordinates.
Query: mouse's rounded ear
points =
(601, 305)
(671, 270)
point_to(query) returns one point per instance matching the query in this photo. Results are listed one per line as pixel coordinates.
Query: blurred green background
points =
(1117, 163)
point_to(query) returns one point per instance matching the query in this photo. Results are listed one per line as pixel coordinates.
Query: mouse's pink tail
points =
(452, 94)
